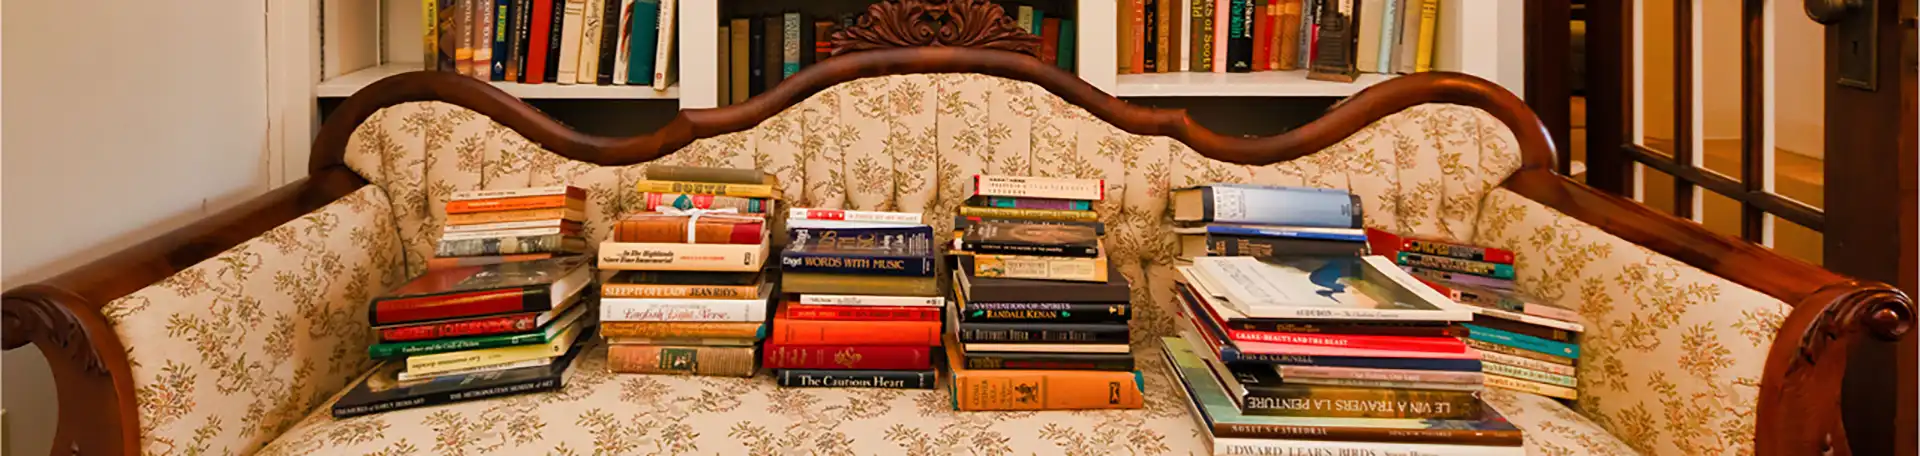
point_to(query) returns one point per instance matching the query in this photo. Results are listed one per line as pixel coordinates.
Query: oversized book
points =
(1347, 288)
(526, 286)
(1267, 205)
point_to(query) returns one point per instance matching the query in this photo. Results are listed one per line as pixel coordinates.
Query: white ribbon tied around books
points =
(693, 216)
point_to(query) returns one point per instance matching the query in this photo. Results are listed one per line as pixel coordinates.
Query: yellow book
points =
(468, 359)
(705, 188)
(1429, 24)
(1042, 267)
(430, 33)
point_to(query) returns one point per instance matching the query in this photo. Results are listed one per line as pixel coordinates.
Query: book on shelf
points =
(645, 24)
(665, 59)
(773, 56)
(611, 35)
(505, 288)
(586, 65)
(725, 48)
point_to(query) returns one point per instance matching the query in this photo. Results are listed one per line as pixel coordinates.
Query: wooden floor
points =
(1796, 176)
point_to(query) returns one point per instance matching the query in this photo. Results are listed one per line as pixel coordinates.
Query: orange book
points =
(997, 389)
(476, 218)
(511, 204)
(682, 329)
(846, 332)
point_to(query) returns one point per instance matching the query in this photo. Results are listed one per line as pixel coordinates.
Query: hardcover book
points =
(479, 218)
(858, 262)
(527, 286)
(1366, 288)
(706, 188)
(1261, 392)
(1240, 36)
(1013, 238)
(684, 329)
(1479, 268)
(681, 360)
(547, 333)
(990, 289)
(705, 228)
(683, 284)
(795, 311)
(961, 222)
(711, 174)
(833, 378)
(830, 332)
(1043, 312)
(1510, 306)
(1389, 244)
(438, 363)
(840, 300)
(848, 284)
(849, 237)
(511, 245)
(685, 309)
(478, 326)
(975, 390)
(1031, 203)
(1076, 269)
(555, 40)
(1037, 187)
(1048, 333)
(665, 72)
(661, 202)
(382, 389)
(1049, 361)
(611, 35)
(887, 357)
(588, 65)
(1267, 205)
(645, 37)
(656, 256)
(1028, 214)
(1202, 245)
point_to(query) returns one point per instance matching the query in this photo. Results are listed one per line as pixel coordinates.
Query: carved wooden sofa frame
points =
(1800, 392)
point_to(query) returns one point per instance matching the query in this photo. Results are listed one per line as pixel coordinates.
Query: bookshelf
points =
(365, 40)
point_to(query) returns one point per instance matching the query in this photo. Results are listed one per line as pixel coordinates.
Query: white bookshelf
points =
(1479, 37)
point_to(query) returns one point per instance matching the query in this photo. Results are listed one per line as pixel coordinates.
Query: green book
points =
(1035, 25)
(646, 37)
(1064, 54)
(425, 347)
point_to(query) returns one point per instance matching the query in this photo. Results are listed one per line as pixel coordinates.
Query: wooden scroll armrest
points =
(1808, 361)
(66, 316)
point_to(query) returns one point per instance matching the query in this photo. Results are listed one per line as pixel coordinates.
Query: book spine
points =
(1045, 312)
(1342, 402)
(1123, 46)
(1050, 41)
(1023, 17)
(1492, 368)
(828, 332)
(1389, 35)
(1379, 375)
(430, 34)
(774, 35)
(1200, 35)
(1165, 15)
(1049, 361)
(1367, 37)
(1522, 341)
(590, 30)
(1029, 214)
(469, 359)
(1496, 381)
(1446, 249)
(756, 56)
(1287, 29)
(1017, 248)
(836, 284)
(663, 52)
(854, 216)
(501, 194)
(611, 35)
(1489, 347)
(1464, 279)
(789, 44)
(1490, 358)
(482, 38)
(858, 264)
(1309, 28)
(424, 347)
(524, 232)
(446, 26)
(1039, 187)
(670, 309)
(872, 357)
(1376, 384)
(859, 313)
(1310, 327)
(681, 360)
(517, 40)
(1479, 268)
(478, 303)
(448, 397)
(705, 188)
(408, 377)
(1488, 318)
(861, 300)
(909, 238)
(703, 341)
(1218, 245)
(1217, 21)
(638, 290)
(653, 201)
(477, 218)
(553, 243)
(961, 222)
(570, 34)
(567, 225)
(1426, 344)
(1066, 48)
(1053, 333)
(822, 40)
(555, 40)
(502, 13)
(1037, 203)
(1512, 438)
(674, 229)
(639, 256)
(1045, 390)
(1403, 55)
(1429, 26)
(1240, 37)
(613, 329)
(510, 204)
(834, 378)
(623, 50)
(1139, 43)
(1234, 355)
(1276, 37)
(539, 28)
(1281, 206)
(460, 262)
(478, 327)
(1262, 32)
(1240, 446)
(1038, 267)
(1034, 26)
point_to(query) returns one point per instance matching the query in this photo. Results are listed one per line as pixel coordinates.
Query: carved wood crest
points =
(915, 23)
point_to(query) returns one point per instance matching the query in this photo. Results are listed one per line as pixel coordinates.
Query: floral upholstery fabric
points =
(1672, 356)
(232, 351)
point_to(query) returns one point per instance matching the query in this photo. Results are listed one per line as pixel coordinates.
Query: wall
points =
(124, 119)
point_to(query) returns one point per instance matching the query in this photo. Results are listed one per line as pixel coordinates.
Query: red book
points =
(1049, 40)
(477, 291)
(1390, 245)
(538, 31)
(876, 357)
(1425, 344)
(839, 332)
(799, 311)
(1262, 35)
(499, 324)
(1139, 43)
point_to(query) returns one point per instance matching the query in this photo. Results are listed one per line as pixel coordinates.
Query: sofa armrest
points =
(1801, 388)
(65, 316)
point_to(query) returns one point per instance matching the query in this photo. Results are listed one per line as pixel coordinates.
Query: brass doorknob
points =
(1830, 12)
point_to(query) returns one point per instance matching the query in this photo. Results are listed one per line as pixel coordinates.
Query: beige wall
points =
(1799, 67)
(124, 119)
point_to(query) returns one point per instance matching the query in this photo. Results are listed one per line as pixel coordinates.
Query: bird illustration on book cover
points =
(1330, 276)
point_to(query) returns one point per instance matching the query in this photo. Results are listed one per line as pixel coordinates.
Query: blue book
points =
(502, 10)
(646, 37)
(1522, 341)
(1267, 205)
(1389, 35)
(1339, 234)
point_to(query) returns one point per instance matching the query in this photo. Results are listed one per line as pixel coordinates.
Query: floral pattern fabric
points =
(232, 351)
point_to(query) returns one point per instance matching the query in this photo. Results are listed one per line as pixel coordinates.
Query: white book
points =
(462, 235)
(502, 226)
(1046, 348)
(1529, 375)
(570, 42)
(409, 376)
(1213, 295)
(469, 195)
(1387, 384)
(1526, 363)
(664, 72)
(625, 41)
(591, 27)
(1238, 446)
(661, 256)
(842, 215)
(858, 300)
(1523, 318)
(678, 309)
(1037, 187)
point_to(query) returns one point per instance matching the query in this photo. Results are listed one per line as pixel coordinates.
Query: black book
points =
(961, 222)
(517, 38)
(756, 56)
(1150, 20)
(1262, 246)
(502, 11)
(1044, 333)
(836, 378)
(1045, 312)
(553, 42)
(1239, 36)
(383, 391)
(610, 28)
(774, 50)
(807, 39)
(1335, 51)
(1048, 361)
(988, 289)
(1016, 238)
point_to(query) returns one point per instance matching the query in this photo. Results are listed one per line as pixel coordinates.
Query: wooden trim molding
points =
(919, 23)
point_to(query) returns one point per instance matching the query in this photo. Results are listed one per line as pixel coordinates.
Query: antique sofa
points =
(232, 335)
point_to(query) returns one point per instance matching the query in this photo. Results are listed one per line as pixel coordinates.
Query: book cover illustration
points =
(489, 277)
(993, 236)
(893, 241)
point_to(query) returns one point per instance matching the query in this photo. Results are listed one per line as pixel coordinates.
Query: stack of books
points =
(600, 42)
(1265, 221)
(469, 333)
(1527, 343)
(1038, 310)
(865, 306)
(687, 294)
(497, 226)
(1331, 354)
(1232, 36)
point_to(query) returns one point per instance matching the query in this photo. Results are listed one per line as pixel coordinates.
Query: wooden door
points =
(1777, 121)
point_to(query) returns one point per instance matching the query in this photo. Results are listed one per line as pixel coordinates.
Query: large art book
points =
(525, 286)
(1267, 205)
(1331, 287)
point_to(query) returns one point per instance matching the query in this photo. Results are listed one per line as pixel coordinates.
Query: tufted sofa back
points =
(907, 143)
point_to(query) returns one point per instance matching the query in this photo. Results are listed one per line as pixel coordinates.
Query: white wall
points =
(125, 118)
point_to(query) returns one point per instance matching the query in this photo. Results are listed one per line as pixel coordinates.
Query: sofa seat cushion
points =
(615, 414)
